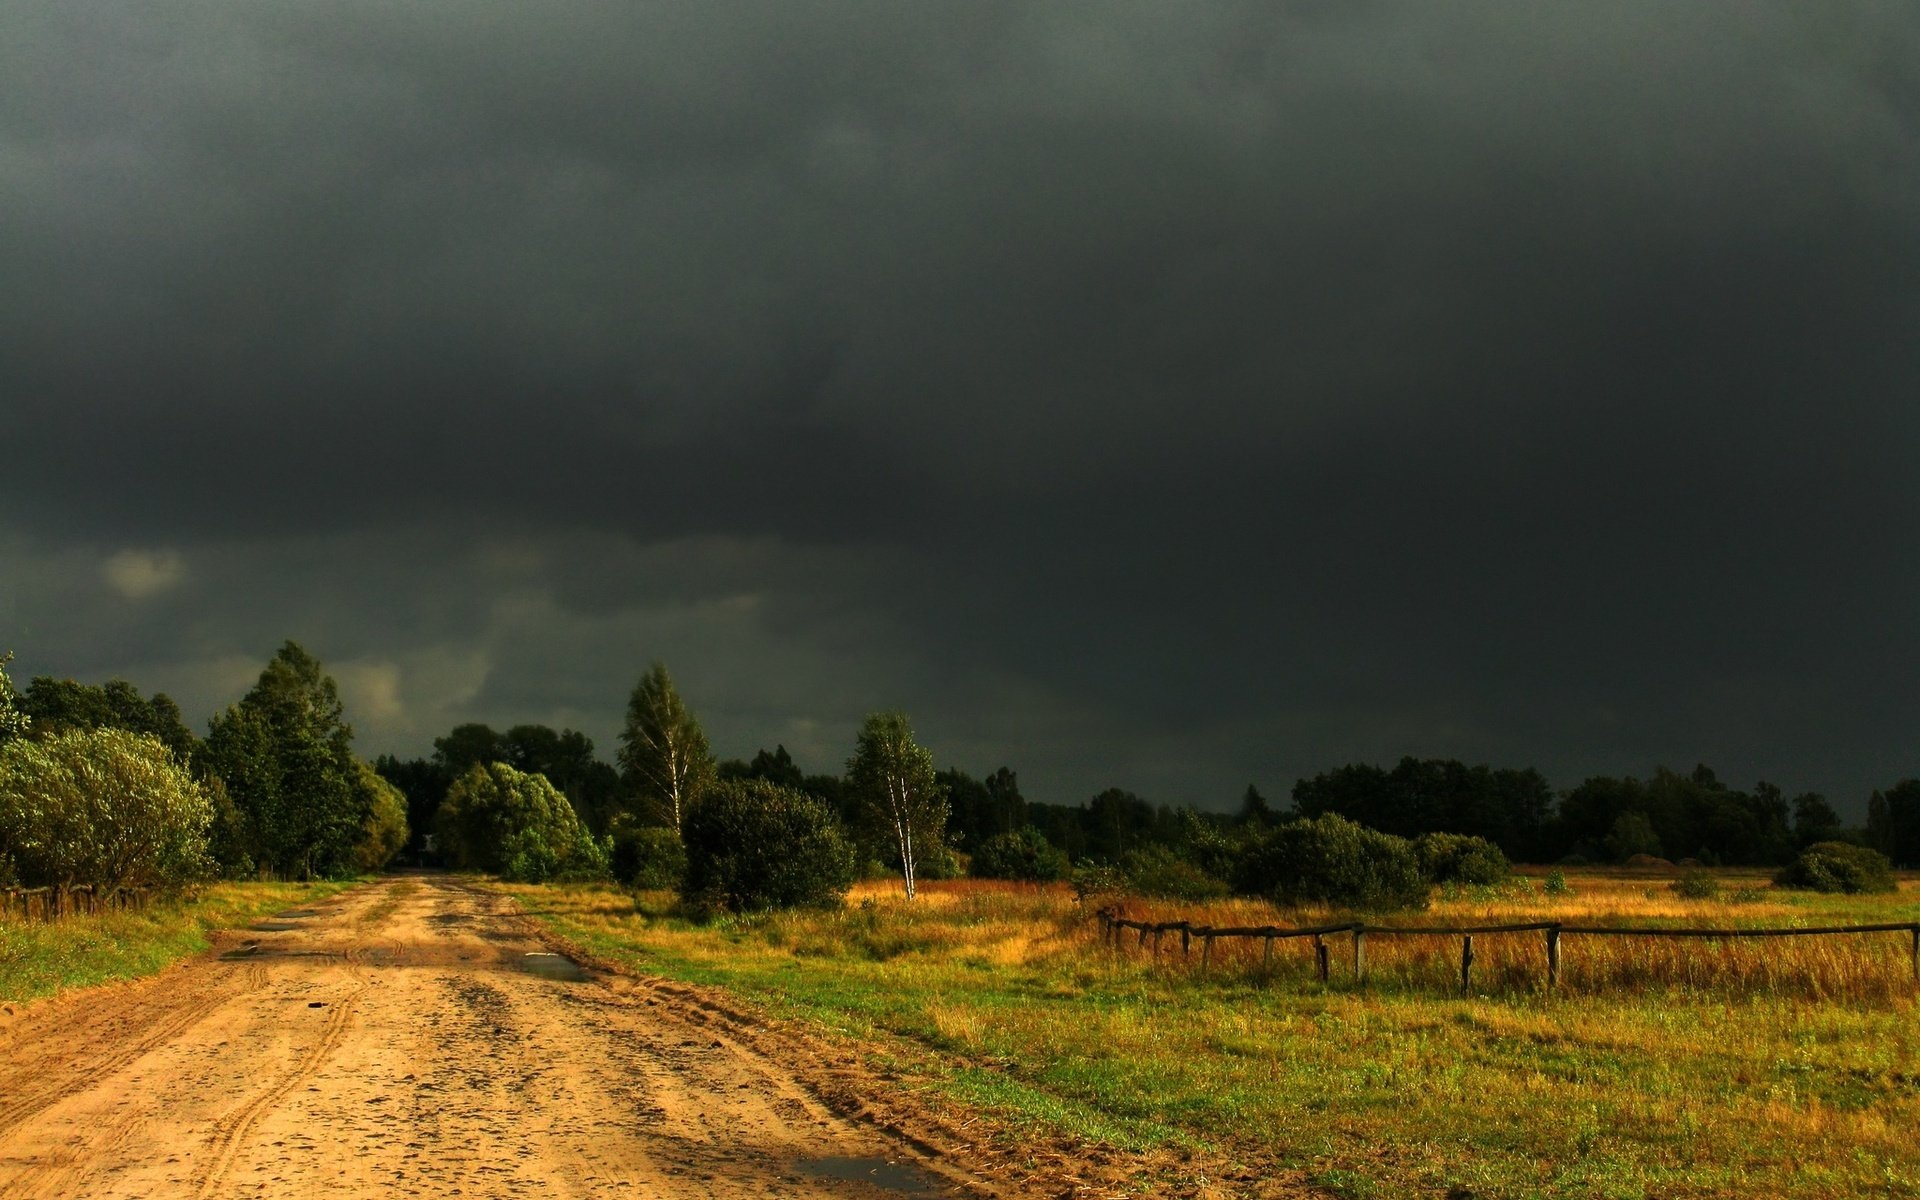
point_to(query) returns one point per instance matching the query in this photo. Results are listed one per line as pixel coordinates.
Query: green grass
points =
(1002, 1001)
(41, 958)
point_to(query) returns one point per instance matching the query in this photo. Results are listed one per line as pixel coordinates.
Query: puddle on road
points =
(247, 951)
(887, 1176)
(273, 926)
(554, 966)
(295, 913)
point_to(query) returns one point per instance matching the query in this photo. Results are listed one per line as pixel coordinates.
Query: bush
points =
(1838, 867)
(755, 845)
(517, 826)
(1159, 872)
(1457, 858)
(101, 806)
(649, 857)
(1023, 854)
(1331, 860)
(1696, 885)
(1555, 884)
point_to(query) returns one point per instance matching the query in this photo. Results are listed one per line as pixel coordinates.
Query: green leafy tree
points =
(1632, 834)
(384, 833)
(56, 704)
(892, 777)
(754, 845)
(517, 826)
(1814, 820)
(101, 806)
(663, 752)
(285, 753)
(14, 722)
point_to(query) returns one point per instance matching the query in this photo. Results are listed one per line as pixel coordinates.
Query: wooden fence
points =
(51, 903)
(1112, 927)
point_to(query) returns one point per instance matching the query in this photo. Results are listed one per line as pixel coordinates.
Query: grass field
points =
(1772, 1068)
(40, 958)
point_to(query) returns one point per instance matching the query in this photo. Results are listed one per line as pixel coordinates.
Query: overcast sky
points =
(1159, 395)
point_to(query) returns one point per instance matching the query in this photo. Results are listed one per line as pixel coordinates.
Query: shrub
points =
(755, 845)
(101, 806)
(1838, 867)
(1331, 860)
(517, 826)
(1555, 884)
(1159, 872)
(1097, 882)
(649, 857)
(1458, 858)
(1022, 854)
(1696, 885)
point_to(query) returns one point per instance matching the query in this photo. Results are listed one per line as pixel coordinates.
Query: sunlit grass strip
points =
(39, 958)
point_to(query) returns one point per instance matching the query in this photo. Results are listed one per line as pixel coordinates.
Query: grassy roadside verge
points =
(1398, 1089)
(41, 958)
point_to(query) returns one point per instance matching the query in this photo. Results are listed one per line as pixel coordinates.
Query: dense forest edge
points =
(102, 785)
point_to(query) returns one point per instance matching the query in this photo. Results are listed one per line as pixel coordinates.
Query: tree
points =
(101, 806)
(1814, 820)
(1632, 834)
(57, 704)
(892, 777)
(14, 722)
(1893, 821)
(663, 751)
(286, 755)
(384, 833)
(754, 845)
(516, 825)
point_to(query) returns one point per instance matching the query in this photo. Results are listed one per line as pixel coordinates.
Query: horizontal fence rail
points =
(51, 903)
(1112, 926)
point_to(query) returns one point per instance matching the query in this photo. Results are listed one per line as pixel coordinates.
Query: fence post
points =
(1553, 957)
(1359, 953)
(1466, 965)
(1186, 940)
(1206, 952)
(1320, 955)
(1266, 955)
(1156, 941)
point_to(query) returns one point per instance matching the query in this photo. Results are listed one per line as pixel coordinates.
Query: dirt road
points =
(408, 1038)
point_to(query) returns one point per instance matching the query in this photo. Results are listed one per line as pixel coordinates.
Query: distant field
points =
(1776, 1068)
(38, 959)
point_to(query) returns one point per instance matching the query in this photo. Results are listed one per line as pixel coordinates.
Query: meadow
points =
(39, 958)
(1779, 1067)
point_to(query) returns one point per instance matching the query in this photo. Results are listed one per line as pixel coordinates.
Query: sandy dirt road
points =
(398, 1040)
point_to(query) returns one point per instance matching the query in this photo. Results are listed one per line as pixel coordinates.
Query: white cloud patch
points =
(138, 574)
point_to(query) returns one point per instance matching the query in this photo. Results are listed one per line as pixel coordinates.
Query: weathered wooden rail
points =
(1112, 926)
(52, 903)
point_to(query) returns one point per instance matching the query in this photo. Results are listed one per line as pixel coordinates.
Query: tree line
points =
(274, 787)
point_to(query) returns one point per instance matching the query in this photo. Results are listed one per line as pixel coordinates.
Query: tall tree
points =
(663, 751)
(893, 778)
(286, 755)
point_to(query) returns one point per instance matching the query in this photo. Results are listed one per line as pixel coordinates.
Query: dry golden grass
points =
(1775, 1068)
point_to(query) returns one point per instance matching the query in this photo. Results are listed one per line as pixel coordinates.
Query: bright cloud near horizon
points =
(1166, 397)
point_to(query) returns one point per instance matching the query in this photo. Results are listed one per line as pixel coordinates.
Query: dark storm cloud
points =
(1139, 393)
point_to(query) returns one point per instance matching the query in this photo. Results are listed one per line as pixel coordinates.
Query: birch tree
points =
(893, 779)
(663, 752)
